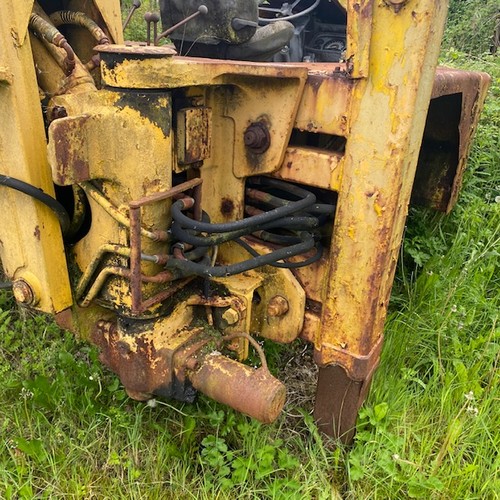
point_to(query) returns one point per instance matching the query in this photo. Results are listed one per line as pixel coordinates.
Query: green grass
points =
(429, 429)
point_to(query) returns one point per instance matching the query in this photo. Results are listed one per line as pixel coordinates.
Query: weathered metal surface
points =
(231, 95)
(143, 354)
(312, 167)
(193, 134)
(100, 127)
(359, 27)
(376, 182)
(136, 50)
(253, 392)
(135, 217)
(106, 137)
(457, 98)
(162, 357)
(338, 399)
(326, 100)
(257, 138)
(259, 290)
(27, 252)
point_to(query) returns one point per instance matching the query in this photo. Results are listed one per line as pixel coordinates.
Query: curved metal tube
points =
(52, 35)
(80, 19)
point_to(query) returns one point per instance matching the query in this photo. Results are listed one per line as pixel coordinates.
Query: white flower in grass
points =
(152, 403)
(469, 396)
(497, 199)
(454, 308)
(26, 394)
(472, 410)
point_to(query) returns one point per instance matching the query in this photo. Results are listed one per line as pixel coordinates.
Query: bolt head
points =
(231, 316)
(23, 292)
(257, 138)
(277, 306)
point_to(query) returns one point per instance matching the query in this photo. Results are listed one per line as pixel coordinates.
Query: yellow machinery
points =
(168, 208)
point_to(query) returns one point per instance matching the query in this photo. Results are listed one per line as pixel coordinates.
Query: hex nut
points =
(231, 316)
(277, 306)
(23, 292)
(257, 137)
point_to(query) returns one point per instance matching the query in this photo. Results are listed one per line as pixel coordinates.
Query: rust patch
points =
(253, 392)
(338, 398)
(227, 206)
(71, 167)
(36, 233)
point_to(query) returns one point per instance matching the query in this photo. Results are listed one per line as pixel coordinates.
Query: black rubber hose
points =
(196, 253)
(276, 201)
(199, 269)
(39, 195)
(252, 223)
(278, 239)
(285, 265)
(293, 223)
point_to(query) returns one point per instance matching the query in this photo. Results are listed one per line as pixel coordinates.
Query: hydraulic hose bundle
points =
(292, 224)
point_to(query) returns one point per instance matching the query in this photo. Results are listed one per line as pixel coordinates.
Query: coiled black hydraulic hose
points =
(306, 200)
(189, 268)
(186, 236)
(285, 265)
(39, 195)
(274, 201)
(298, 214)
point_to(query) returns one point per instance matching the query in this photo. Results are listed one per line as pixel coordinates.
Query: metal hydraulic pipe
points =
(53, 36)
(80, 19)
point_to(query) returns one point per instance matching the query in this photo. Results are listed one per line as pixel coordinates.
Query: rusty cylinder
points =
(253, 392)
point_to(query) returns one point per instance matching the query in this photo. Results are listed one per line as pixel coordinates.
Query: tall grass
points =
(429, 428)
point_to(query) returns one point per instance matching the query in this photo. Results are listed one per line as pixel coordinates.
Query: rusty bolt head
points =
(257, 138)
(23, 293)
(231, 316)
(278, 306)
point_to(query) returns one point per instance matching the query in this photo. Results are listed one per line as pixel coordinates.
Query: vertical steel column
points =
(387, 118)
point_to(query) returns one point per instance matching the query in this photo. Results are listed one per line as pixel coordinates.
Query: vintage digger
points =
(170, 204)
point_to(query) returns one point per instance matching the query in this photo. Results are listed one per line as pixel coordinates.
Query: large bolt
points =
(257, 138)
(23, 293)
(277, 306)
(231, 316)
